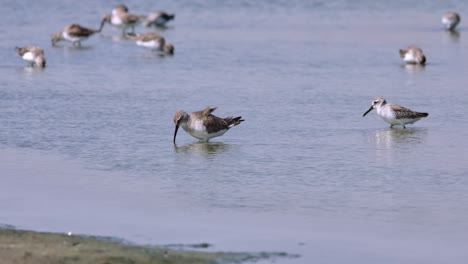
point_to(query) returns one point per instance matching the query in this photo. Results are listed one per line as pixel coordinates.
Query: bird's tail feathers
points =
(233, 121)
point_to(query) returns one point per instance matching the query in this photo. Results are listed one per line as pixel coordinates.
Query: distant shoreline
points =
(23, 246)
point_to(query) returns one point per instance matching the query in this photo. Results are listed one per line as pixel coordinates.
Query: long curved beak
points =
(175, 132)
(370, 109)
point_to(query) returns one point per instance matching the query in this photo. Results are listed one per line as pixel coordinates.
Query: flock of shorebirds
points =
(120, 18)
(397, 115)
(203, 125)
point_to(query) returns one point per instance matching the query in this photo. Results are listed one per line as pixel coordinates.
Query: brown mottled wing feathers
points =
(131, 19)
(79, 31)
(150, 36)
(213, 123)
(403, 112)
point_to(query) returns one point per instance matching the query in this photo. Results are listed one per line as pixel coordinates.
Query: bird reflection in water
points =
(453, 35)
(392, 144)
(413, 68)
(29, 70)
(203, 147)
(389, 138)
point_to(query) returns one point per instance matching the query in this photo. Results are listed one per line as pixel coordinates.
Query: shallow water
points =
(86, 144)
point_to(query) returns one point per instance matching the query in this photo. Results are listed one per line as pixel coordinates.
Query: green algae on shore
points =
(24, 247)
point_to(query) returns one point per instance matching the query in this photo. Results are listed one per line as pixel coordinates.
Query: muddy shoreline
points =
(23, 246)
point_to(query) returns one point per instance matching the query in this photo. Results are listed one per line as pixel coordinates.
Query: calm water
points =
(86, 144)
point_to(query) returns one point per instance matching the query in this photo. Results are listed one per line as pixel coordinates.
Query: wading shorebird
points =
(450, 20)
(153, 41)
(158, 19)
(203, 125)
(394, 114)
(413, 55)
(122, 19)
(74, 33)
(32, 54)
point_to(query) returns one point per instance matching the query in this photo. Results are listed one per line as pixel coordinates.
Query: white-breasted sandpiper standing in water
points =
(450, 20)
(74, 33)
(394, 114)
(158, 19)
(119, 17)
(152, 40)
(413, 55)
(32, 54)
(203, 125)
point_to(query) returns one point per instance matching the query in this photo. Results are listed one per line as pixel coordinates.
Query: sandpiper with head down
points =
(450, 20)
(32, 54)
(203, 125)
(158, 19)
(394, 114)
(74, 33)
(152, 40)
(122, 19)
(413, 55)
